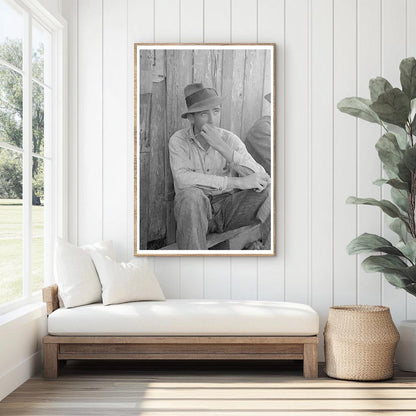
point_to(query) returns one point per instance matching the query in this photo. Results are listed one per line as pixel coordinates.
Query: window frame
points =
(57, 226)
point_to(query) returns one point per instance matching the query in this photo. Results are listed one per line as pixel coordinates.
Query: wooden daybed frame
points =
(58, 349)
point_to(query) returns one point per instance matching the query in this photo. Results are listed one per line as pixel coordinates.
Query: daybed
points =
(181, 329)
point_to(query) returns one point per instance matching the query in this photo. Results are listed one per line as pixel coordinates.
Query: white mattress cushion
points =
(187, 317)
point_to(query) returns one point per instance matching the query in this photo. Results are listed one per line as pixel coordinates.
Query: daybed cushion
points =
(126, 282)
(75, 272)
(186, 317)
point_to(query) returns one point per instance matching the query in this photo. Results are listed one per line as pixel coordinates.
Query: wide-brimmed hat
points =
(200, 98)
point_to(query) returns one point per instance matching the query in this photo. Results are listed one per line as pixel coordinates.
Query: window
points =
(31, 142)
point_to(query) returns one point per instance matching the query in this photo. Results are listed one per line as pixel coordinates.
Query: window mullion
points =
(27, 157)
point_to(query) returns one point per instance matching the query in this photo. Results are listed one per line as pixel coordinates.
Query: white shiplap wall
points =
(326, 50)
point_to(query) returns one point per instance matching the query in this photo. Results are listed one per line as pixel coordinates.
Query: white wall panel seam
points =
(257, 21)
(257, 40)
(284, 145)
(102, 119)
(407, 54)
(127, 255)
(309, 153)
(356, 147)
(332, 152)
(231, 21)
(77, 130)
(380, 132)
(406, 23)
(203, 259)
(382, 73)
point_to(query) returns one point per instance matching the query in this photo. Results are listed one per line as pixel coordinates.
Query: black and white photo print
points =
(205, 149)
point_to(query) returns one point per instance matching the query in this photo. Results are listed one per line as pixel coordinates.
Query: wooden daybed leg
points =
(310, 360)
(50, 360)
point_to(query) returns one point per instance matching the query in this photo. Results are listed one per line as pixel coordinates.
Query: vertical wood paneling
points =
(114, 124)
(271, 270)
(192, 21)
(167, 29)
(368, 163)
(321, 32)
(141, 30)
(90, 144)
(192, 278)
(233, 89)
(253, 90)
(244, 27)
(70, 11)
(244, 278)
(158, 149)
(167, 21)
(393, 51)
(217, 27)
(243, 21)
(311, 66)
(217, 278)
(192, 30)
(296, 152)
(217, 21)
(411, 51)
(345, 152)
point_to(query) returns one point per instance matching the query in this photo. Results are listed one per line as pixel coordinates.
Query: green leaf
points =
(398, 184)
(389, 151)
(380, 182)
(378, 86)
(392, 107)
(396, 271)
(401, 139)
(389, 208)
(412, 109)
(366, 243)
(408, 77)
(408, 249)
(381, 263)
(411, 289)
(400, 228)
(400, 198)
(404, 173)
(359, 107)
(410, 272)
(397, 280)
(410, 158)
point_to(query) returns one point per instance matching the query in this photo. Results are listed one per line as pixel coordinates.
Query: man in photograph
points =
(258, 140)
(218, 184)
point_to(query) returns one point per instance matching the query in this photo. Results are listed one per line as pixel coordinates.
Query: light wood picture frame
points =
(243, 77)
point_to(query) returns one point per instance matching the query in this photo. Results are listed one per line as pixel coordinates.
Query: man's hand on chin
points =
(213, 137)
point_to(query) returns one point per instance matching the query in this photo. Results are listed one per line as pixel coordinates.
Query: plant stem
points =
(412, 195)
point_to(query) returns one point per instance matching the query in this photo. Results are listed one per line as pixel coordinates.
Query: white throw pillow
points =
(75, 273)
(103, 247)
(126, 282)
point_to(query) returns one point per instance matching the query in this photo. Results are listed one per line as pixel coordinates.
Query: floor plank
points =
(201, 388)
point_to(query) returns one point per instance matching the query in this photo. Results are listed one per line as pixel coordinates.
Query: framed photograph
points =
(204, 130)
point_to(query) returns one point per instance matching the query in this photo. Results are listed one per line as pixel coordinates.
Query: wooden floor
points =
(191, 389)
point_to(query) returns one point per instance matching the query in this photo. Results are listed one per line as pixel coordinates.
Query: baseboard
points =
(10, 380)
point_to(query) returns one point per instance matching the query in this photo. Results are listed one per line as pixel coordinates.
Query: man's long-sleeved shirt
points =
(193, 166)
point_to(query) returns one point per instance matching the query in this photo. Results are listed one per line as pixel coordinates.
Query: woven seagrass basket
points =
(360, 341)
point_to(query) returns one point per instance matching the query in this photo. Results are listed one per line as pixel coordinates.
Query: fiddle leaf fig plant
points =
(394, 109)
